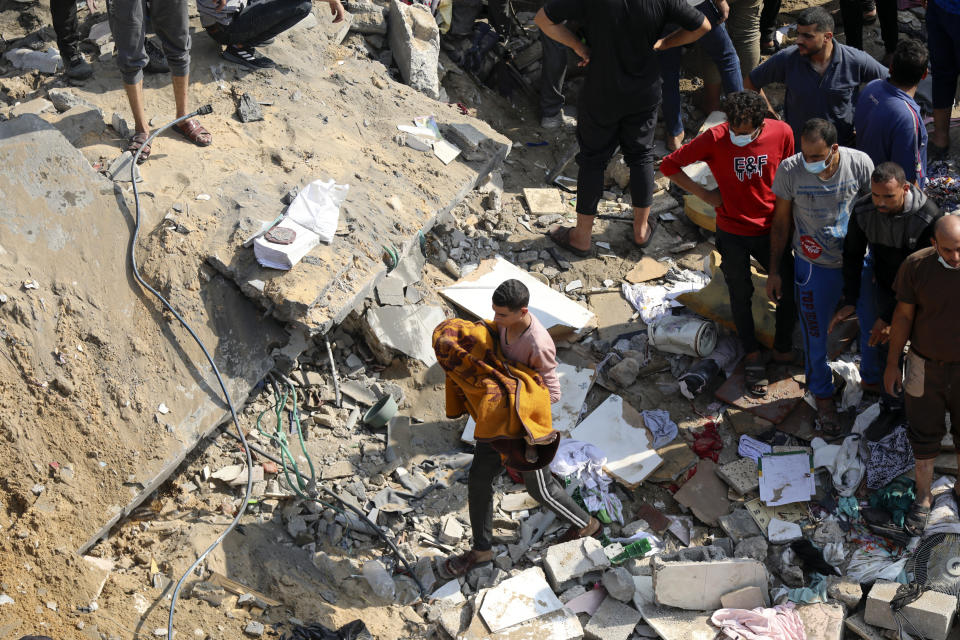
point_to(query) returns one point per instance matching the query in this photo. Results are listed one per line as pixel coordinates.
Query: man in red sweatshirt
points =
(743, 153)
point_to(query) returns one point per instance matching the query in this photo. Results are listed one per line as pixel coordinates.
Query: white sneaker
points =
(558, 120)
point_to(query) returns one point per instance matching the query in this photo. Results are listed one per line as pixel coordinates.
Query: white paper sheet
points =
(786, 478)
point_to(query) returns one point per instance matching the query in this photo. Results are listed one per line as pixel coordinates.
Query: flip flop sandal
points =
(461, 565)
(195, 133)
(646, 243)
(916, 520)
(755, 380)
(139, 141)
(561, 237)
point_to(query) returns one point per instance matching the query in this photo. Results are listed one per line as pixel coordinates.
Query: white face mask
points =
(742, 140)
(945, 264)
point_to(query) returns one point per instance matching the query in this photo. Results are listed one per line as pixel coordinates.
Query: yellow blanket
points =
(507, 400)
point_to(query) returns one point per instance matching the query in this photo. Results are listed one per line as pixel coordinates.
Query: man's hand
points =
(712, 197)
(221, 5)
(92, 6)
(893, 379)
(724, 10)
(774, 287)
(583, 52)
(658, 45)
(880, 334)
(336, 10)
(842, 314)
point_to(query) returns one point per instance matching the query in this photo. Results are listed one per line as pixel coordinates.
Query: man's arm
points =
(681, 37)
(779, 235)
(899, 334)
(563, 35)
(696, 150)
(854, 248)
(544, 361)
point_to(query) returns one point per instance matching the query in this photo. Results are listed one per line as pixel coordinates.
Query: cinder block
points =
(696, 578)
(612, 621)
(567, 562)
(931, 614)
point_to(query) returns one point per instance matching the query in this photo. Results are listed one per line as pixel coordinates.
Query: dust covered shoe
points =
(556, 121)
(248, 57)
(76, 68)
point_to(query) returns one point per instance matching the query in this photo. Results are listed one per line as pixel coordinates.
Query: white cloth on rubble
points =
(852, 391)
(655, 301)
(778, 623)
(585, 462)
(752, 448)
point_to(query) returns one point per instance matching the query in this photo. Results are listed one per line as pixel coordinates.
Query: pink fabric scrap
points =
(779, 623)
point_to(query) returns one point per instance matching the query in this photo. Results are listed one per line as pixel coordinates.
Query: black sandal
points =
(755, 380)
(456, 566)
(652, 226)
(916, 520)
(561, 237)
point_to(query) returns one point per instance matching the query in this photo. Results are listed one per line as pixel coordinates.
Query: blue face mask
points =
(818, 167)
(742, 140)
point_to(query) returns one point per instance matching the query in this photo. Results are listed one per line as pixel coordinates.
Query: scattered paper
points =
(786, 478)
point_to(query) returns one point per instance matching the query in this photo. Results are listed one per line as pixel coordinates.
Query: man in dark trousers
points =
(927, 310)
(892, 222)
(620, 97)
(743, 154)
(67, 28)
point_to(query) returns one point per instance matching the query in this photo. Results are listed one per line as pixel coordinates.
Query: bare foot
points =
(673, 142)
(643, 232)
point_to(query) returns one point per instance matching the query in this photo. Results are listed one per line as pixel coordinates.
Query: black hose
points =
(379, 531)
(204, 110)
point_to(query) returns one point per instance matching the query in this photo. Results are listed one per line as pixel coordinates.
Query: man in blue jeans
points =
(718, 47)
(815, 192)
(943, 39)
(242, 25)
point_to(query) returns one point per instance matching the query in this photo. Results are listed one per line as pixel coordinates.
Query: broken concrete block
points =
(931, 614)
(856, 625)
(254, 629)
(625, 372)
(37, 105)
(64, 100)
(753, 547)
(368, 18)
(415, 43)
(697, 577)
(822, 621)
(543, 201)
(407, 329)
(739, 525)
(452, 531)
(566, 562)
(647, 269)
(782, 532)
(612, 621)
(846, 590)
(79, 122)
(248, 109)
(390, 291)
(100, 33)
(741, 475)
(746, 598)
(48, 61)
(524, 597)
(619, 584)
(473, 143)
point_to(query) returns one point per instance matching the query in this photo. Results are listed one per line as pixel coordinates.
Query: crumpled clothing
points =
(834, 553)
(842, 461)
(895, 498)
(585, 462)
(655, 301)
(890, 457)
(778, 623)
(752, 448)
(852, 391)
(664, 429)
(849, 506)
(707, 443)
(865, 418)
(878, 564)
(816, 592)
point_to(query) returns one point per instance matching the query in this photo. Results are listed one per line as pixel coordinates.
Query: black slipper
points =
(561, 237)
(646, 243)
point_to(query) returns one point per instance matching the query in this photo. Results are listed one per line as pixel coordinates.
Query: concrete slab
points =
(932, 614)
(559, 625)
(697, 577)
(543, 201)
(822, 621)
(68, 233)
(676, 624)
(415, 44)
(567, 562)
(739, 524)
(524, 597)
(78, 122)
(782, 532)
(407, 329)
(612, 621)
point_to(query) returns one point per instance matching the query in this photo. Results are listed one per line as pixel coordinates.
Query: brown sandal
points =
(193, 131)
(456, 566)
(575, 533)
(139, 142)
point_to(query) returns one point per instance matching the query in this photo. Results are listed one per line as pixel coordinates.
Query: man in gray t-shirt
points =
(815, 191)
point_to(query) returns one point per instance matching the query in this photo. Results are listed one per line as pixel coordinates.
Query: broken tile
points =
(657, 522)
(762, 514)
(541, 201)
(741, 475)
(612, 621)
(407, 329)
(339, 469)
(390, 291)
(588, 602)
(518, 599)
(647, 269)
(782, 532)
(678, 458)
(618, 431)
(739, 524)
(705, 494)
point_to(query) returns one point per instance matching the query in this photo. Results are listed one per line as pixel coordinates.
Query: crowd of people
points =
(829, 199)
